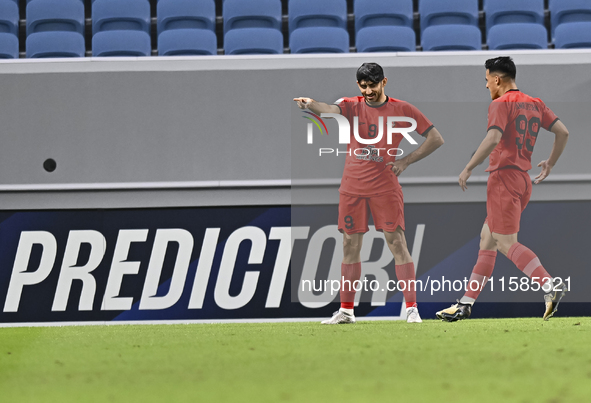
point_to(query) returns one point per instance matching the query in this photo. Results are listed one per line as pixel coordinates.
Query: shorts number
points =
(349, 222)
(524, 127)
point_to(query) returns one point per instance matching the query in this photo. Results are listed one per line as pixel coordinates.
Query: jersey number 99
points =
(528, 132)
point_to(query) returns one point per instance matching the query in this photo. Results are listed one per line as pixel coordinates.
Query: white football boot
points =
(339, 318)
(412, 315)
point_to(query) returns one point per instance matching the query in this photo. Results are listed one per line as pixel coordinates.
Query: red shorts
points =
(507, 193)
(387, 211)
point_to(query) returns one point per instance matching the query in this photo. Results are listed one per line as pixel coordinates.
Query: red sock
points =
(405, 273)
(481, 273)
(528, 263)
(349, 274)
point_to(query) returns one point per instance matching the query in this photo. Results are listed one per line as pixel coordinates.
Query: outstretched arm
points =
(493, 137)
(432, 143)
(315, 106)
(560, 138)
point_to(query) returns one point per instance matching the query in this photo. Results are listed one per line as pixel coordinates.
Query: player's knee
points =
(351, 245)
(503, 245)
(397, 244)
(487, 242)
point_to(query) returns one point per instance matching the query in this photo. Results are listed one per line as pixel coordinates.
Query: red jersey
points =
(366, 173)
(519, 117)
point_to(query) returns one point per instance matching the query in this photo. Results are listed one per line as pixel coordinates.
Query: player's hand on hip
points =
(546, 168)
(397, 166)
(303, 102)
(464, 178)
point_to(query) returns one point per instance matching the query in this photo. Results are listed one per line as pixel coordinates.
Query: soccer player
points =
(370, 183)
(514, 121)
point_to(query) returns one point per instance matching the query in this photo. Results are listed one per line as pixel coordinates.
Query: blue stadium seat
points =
(448, 12)
(511, 12)
(252, 14)
(386, 39)
(253, 41)
(55, 15)
(372, 13)
(315, 13)
(9, 17)
(319, 40)
(517, 36)
(451, 37)
(55, 44)
(187, 42)
(118, 15)
(8, 46)
(183, 14)
(573, 35)
(28, 1)
(121, 43)
(565, 11)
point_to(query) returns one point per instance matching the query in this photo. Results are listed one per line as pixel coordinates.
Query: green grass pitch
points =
(493, 360)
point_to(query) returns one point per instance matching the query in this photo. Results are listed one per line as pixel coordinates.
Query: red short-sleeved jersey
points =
(366, 173)
(519, 117)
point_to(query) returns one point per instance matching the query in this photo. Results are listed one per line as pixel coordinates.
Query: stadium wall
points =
(181, 183)
(163, 132)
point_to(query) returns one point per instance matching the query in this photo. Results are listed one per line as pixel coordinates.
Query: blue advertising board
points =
(248, 263)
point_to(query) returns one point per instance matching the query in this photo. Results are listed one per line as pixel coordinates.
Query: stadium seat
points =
(252, 14)
(55, 44)
(121, 43)
(187, 42)
(386, 39)
(28, 1)
(511, 12)
(9, 17)
(448, 12)
(372, 13)
(451, 37)
(55, 15)
(118, 15)
(183, 14)
(573, 35)
(517, 36)
(253, 41)
(315, 13)
(8, 46)
(565, 11)
(319, 40)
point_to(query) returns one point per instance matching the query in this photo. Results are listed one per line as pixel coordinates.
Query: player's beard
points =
(376, 95)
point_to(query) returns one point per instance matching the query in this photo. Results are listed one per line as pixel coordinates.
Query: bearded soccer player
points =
(514, 121)
(370, 183)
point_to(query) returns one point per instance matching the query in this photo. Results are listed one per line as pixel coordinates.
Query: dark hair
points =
(503, 64)
(370, 72)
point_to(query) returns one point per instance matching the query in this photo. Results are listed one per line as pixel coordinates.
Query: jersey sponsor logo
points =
(370, 154)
